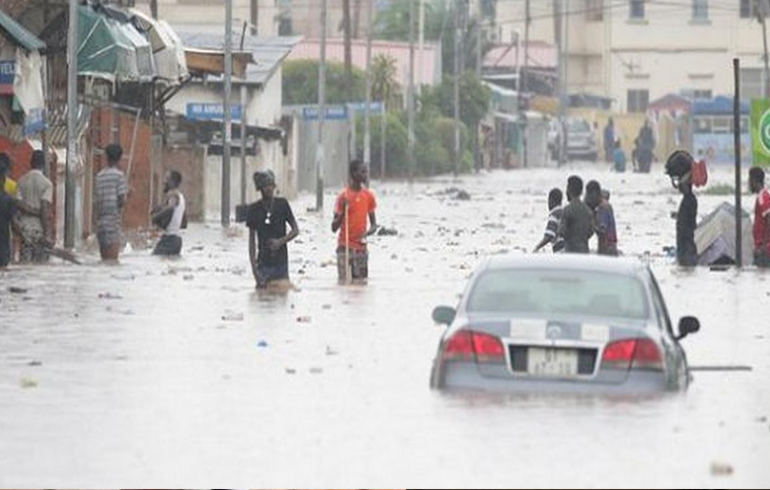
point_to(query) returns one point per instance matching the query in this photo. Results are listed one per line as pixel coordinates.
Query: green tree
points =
(385, 86)
(475, 99)
(300, 83)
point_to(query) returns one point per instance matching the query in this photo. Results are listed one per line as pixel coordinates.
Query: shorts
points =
(357, 267)
(109, 245)
(269, 273)
(33, 252)
(762, 259)
(168, 246)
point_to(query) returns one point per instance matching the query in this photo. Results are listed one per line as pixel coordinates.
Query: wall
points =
(138, 173)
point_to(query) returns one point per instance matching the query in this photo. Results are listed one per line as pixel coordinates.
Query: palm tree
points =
(385, 86)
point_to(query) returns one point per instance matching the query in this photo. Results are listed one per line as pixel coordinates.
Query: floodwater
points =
(179, 374)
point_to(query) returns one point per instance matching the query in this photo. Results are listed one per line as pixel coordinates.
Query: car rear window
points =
(578, 126)
(580, 293)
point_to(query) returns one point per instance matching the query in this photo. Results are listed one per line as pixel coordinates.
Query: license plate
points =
(552, 363)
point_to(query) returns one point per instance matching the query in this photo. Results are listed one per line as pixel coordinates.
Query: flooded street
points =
(178, 373)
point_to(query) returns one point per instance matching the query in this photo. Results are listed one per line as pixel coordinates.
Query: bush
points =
(300, 83)
(396, 162)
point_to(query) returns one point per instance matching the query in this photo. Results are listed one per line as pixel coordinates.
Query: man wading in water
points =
(267, 220)
(354, 205)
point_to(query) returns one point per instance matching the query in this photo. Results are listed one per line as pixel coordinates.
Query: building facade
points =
(636, 51)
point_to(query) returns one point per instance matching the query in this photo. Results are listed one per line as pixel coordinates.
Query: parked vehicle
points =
(561, 323)
(581, 140)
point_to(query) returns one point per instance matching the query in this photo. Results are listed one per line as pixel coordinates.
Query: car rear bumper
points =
(466, 377)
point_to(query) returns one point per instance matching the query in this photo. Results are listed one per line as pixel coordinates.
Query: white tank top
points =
(175, 226)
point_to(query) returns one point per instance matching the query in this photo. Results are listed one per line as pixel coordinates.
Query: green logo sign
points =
(764, 131)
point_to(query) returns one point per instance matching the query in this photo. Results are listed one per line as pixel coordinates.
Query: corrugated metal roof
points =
(19, 34)
(268, 52)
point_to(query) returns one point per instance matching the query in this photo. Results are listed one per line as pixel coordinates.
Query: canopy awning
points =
(105, 50)
(167, 47)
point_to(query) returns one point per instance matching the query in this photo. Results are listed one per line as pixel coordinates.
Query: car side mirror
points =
(688, 326)
(444, 315)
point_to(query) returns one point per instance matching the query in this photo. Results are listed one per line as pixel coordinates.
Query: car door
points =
(678, 378)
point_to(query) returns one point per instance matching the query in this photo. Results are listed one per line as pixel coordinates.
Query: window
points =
(752, 82)
(703, 125)
(701, 94)
(560, 292)
(594, 10)
(700, 10)
(747, 9)
(722, 125)
(637, 9)
(638, 100)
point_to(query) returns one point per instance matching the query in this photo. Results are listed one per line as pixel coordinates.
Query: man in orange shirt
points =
(354, 206)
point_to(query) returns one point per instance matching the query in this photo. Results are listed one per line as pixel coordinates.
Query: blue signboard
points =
(7, 76)
(333, 113)
(360, 107)
(212, 112)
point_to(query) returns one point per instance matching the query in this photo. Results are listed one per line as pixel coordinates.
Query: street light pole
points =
(321, 114)
(410, 96)
(227, 116)
(456, 90)
(368, 109)
(72, 123)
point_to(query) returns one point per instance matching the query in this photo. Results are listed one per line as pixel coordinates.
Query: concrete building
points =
(258, 100)
(275, 17)
(636, 51)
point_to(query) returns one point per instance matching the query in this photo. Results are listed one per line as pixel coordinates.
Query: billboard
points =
(760, 131)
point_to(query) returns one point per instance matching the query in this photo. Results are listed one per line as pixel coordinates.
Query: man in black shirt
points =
(7, 210)
(679, 168)
(267, 220)
(577, 220)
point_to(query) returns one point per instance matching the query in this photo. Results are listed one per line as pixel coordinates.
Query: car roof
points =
(572, 262)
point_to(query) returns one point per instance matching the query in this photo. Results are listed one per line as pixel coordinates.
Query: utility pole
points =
(456, 95)
(524, 79)
(762, 12)
(346, 28)
(72, 124)
(410, 96)
(319, 196)
(154, 9)
(737, 142)
(421, 42)
(244, 140)
(558, 6)
(368, 109)
(227, 116)
(253, 17)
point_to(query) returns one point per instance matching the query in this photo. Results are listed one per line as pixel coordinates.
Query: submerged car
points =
(561, 323)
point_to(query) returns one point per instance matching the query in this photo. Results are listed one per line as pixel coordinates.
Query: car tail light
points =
(467, 345)
(633, 354)
(647, 356)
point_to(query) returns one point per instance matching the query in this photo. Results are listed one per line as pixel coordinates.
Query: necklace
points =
(269, 212)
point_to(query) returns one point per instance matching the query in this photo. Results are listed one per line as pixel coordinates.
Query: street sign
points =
(360, 107)
(333, 113)
(205, 111)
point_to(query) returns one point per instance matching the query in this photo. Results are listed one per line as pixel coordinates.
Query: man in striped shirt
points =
(552, 236)
(110, 191)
